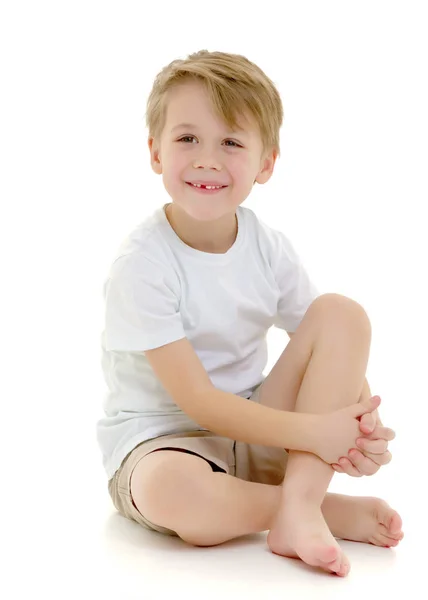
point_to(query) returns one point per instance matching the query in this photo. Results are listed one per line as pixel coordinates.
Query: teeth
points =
(208, 187)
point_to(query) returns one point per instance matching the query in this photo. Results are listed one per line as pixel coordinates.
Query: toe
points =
(345, 567)
(328, 554)
(383, 540)
(395, 536)
(395, 524)
(340, 565)
(389, 518)
(329, 558)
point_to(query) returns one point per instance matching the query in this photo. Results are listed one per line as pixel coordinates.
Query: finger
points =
(372, 446)
(366, 406)
(379, 459)
(337, 468)
(349, 468)
(367, 423)
(364, 464)
(383, 433)
(367, 419)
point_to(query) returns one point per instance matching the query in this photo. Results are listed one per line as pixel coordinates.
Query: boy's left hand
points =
(373, 452)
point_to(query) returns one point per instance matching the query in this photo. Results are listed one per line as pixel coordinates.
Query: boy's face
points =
(207, 151)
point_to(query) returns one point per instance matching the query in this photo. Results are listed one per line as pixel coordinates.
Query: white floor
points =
(64, 539)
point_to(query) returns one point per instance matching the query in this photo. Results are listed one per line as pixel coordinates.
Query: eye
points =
(188, 137)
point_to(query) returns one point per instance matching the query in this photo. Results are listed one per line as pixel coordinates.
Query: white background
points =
(349, 190)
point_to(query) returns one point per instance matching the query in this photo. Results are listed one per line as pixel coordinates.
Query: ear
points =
(266, 168)
(155, 160)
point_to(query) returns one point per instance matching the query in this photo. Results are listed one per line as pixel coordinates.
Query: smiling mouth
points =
(206, 191)
(205, 187)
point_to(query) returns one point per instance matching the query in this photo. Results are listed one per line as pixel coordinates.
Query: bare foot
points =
(362, 519)
(300, 531)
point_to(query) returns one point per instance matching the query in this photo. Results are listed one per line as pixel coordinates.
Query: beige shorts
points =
(251, 462)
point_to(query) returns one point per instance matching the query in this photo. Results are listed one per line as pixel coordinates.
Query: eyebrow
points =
(192, 126)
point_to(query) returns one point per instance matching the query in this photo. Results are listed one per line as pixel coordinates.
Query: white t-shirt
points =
(160, 290)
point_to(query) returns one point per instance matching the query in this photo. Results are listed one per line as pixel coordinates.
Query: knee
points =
(339, 308)
(162, 487)
(150, 486)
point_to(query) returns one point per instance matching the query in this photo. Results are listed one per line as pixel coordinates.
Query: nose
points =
(206, 164)
(207, 160)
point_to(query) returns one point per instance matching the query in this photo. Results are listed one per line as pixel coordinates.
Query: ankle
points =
(302, 499)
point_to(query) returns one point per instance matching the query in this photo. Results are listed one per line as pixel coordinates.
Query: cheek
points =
(174, 169)
(179, 166)
(239, 169)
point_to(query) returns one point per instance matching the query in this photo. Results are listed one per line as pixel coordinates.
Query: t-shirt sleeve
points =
(141, 305)
(296, 290)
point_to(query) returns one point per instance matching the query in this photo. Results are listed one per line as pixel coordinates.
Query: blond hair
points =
(235, 86)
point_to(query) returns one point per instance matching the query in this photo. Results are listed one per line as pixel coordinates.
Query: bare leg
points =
(333, 379)
(179, 491)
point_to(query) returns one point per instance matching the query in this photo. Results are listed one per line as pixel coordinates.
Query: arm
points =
(179, 369)
(327, 435)
(184, 377)
(239, 419)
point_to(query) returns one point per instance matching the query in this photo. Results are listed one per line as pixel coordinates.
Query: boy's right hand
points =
(339, 430)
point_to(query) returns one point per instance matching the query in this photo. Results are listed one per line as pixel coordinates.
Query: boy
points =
(194, 436)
